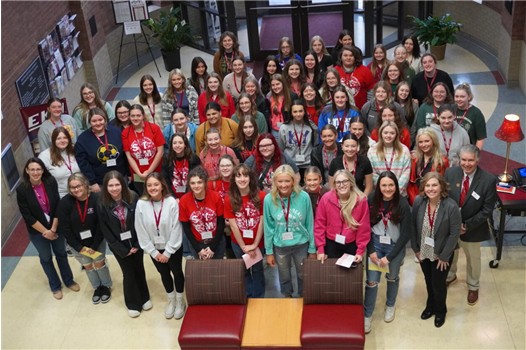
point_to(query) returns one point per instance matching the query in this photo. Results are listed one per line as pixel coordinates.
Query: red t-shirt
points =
(248, 218)
(179, 177)
(143, 145)
(226, 110)
(358, 81)
(201, 215)
(314, 114)
(220, 187)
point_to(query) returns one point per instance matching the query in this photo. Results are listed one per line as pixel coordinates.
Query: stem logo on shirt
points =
(248, 217)
(353, 84)
(143, 148)
(204, 220)
(105, 153)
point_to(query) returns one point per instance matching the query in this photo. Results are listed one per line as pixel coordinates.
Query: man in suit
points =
(475, 192)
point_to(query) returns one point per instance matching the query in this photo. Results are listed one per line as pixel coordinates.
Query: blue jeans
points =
(44, 247)
(284, 257)
(254, 277)
(97, 277)
(373, 277)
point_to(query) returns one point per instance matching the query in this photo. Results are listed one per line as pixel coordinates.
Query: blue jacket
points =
(168, 132)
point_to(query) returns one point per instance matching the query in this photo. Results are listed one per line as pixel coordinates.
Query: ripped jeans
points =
(97, 276)
(373, 277)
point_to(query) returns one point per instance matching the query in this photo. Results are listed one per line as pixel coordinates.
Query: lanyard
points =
(300, 138)
(121, 214)
(447, 144)
(341, 123)
(346, 165)
(70, 165)
(377, 107)
(141, 142)
(388, 166)
(179, 99)
(179, 170)
(285, 213)
(82, 215)
(105, 143)
(55, 125)
(42, 201)
(385, 220)
(326, 156)
(431, 217)
(463, 116)
(157, 217)
(424, 167)
(430, 84)
(152, 111)
(235, 84)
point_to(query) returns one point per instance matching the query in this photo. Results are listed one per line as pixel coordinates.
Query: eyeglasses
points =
(74, 188)
(342, 183)
(266, 146)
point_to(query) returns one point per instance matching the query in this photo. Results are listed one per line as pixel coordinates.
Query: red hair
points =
(276, 159)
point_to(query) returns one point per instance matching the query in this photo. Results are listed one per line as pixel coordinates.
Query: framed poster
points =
(9, 169)
(32, 85)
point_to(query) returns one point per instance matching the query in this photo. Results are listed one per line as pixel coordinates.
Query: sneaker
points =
(389, 314)
(147, 305)
(367, 324)
(180, 308)
(134, 313)
(57, 294)
(189, 257)
(74, 287)
(169, 310)
(96, 295)
(106, 294)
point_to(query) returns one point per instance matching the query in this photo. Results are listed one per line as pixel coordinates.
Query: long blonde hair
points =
(287, 170)
(438, 162)
(348, 206)
(397, 145)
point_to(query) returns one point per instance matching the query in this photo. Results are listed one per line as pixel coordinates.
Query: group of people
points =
(319, 157)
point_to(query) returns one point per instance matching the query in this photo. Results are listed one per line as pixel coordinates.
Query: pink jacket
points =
(329, 222)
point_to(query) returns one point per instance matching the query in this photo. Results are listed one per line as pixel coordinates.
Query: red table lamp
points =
(510, 131)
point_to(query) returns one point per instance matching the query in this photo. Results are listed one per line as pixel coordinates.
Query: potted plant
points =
(436, 32)
(170, 31)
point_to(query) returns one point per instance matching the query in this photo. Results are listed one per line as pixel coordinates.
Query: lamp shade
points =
(510, 130)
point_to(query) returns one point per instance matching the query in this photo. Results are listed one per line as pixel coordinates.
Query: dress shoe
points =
(448, 283)
(439, 320)
(426, 314)
(74, 287)
(57, 294)
(473, 297)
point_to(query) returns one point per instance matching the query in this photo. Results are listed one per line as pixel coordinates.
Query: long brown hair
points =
(235, 195)
(84, 107)
(106, 198)
(54, 152)
(285, 91)
(220, 91)
(240, 139)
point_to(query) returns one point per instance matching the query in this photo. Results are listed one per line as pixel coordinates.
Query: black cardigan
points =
(168, 169)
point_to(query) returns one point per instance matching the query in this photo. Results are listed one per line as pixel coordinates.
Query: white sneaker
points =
(169, 310)
(147, 305)
(389, 313)
(367, 324)
(180, 307)
(133, 313)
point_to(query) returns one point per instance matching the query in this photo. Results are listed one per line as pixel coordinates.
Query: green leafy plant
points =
(436, 31)
(170, 30)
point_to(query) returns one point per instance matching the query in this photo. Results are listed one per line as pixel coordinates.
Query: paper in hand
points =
(249, 262)
(346, 260)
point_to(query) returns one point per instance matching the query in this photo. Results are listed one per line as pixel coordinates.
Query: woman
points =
(199, 75)
(359, 166)
(354, 74)
(317, 45)
(178, 163)
(339, 113)
(379, 62)
(270, 67)
(122, 112)
(314, 186)
(224, 57)
(160, 235)
(400, 57)
(245, 109)
(215, 93)
(288, 220)
(227, 127)
(402, 96)
(244, 145)
(391, 113)
(78, 221)
(252, 89)
(180, 125)
(267, 159)
(234, 82)
(424, 81)
(60, 159)
(55, 119)
(294, 76)
(357, 128)
(221, 185)
(313, 101)
(244, 211)
(180, 95)
(393, 75)
(451, 137)
(150, 100)
(427, 157)
(38, 199)
(382, 96)
(345, 38)
(99, 149)
(470, 117)
(202, 217)
(342, 220)
(280, 99)
(116, 211)
(286, 52)
(89, 98)
(331, 81)
(143, 143)
(312, 70)
(390, 154)
(212, 151)
(390, 217)
(412, 47)
(428, 111)
(326, 151)
(436, 226)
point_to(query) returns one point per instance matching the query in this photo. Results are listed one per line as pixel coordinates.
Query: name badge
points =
(385, 239)
(206, 235)
(85, 234)
(475, 195)
(300, 157)
(126, 235)
(248, 234)
(158, 240)
(340, 239)
(429, 241)
(111, 162)
(143, 161)
(48, 219)
(180, 189)
(287, 236)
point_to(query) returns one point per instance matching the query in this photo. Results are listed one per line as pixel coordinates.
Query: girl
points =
(55, 119)
(89, 98)
(331, 81)
(391, 113)
(199, 75)
(378, 63)
(426, 158)
(428, 111)
(317, 45)
(117, 219)
(224, 57)
(294, 76)
(222, 184)
(215, 93)
(339, 113)
(359, 166)
(160, 235)
(244, 210)
(227, 127)
(245, 109)
(357, 128)
(312, 70)
(202, 217)
(326, 151)
(314, 186)
(412, 47)
(270, 67)
(400, 57)
(390, 154)
(181, 95)
(60, 159)
(180, 124)
(38, 199)
(390, 217)
(468, 116)
(313, 101)
(393, 75)
(423, 83)
(233, 82)
(252, 89)
(280, 100)
(342, 220)
(122, 112)
(150, 100)
(345, 38)
(78, 220)
(212, 151)
(288, 229)
(382, 96)
(402, 96)
(244, 145)
(286, 52)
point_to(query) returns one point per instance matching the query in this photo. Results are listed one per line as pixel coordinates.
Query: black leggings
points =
(336, 250)
(175, 266)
